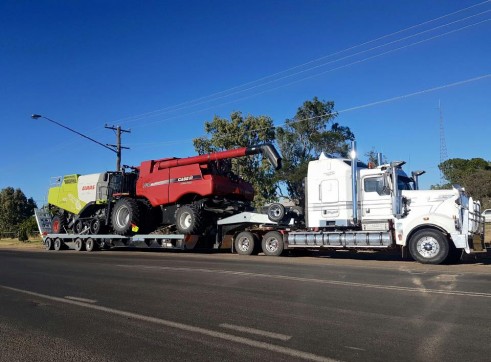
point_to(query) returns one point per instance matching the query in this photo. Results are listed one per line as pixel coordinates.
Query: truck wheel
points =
(189, 220)
(90, 245)
(79, 244)
(454, 255)
(57, 244)
(48, 244)
(125, 216)
(272, 243)
(245, 243)
(58, 224)
(276, 212)
(429, 247)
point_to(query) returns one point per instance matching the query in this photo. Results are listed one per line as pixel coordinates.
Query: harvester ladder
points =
(43, 219)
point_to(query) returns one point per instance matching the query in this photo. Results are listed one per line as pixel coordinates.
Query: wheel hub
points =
(428, 247)
(244, 244)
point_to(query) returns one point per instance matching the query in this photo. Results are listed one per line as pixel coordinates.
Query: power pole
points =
(118, 146)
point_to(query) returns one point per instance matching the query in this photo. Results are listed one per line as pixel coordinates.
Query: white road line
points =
(81, 299)
(259, 332)
(319, 281)
(184, 327)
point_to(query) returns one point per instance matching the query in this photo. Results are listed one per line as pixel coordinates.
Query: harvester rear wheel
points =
(189, 220)
(58, 224)
(125, 217)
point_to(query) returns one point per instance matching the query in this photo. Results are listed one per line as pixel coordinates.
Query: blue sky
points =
(90, 63)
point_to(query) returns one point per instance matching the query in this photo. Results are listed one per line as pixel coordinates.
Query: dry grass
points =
(33, 243)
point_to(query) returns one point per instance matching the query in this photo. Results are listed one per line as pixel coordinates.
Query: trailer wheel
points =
(429, 247)
(57, 244)
(125, 216)
(189, 220)
(90, 245)
(48, 244)
(79, 244)
(245, 243)
(276, 212)
(58, 224)
(273, 243)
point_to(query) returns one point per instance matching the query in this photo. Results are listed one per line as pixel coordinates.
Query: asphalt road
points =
(142, 306)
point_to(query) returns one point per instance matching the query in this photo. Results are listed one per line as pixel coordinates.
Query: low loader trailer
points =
(348, 205)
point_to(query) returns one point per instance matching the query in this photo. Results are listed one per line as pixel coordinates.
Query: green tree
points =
(372, 157)
(240, 131)
(311, 131)
(15, 207)
(473, 174)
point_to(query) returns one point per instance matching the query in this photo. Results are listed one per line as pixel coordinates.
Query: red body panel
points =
(166, 181)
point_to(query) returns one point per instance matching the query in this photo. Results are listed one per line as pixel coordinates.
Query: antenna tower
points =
(443, 144)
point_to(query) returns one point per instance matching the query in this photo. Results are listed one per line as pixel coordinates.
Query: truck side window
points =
(374, 184)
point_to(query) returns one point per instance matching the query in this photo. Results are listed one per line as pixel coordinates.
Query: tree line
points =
(16, 213)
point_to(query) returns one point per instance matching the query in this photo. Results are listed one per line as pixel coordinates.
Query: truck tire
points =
(273, 243)
(79, 244)
(58, 224)
(429, 247)
(125, 216)
(57, 244)
(48, 244)
(276, 212)
(245, 243)
(189, 220)
(90, 245)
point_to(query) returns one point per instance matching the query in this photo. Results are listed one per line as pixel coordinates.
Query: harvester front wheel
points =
(189, 220)
(125, 217)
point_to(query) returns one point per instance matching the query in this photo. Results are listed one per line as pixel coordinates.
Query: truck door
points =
(376, 201)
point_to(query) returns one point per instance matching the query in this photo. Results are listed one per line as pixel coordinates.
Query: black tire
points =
(95, 226)
(276, 212)
(79, 244)
(454, 255)
(58, 224)
(189, 220)
(429, 247)
(90, 245)
(78, 227)
(245, 243)
(48, 244)
(272, 243)
(125, 217)
(57, 244)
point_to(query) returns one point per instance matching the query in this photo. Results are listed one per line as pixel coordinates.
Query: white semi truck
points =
(349, 205)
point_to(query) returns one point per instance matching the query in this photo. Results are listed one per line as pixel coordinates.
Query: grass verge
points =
(33, 243)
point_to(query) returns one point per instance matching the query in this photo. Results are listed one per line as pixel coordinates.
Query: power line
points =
(371, 104)
(213, 96)
(315, 75)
